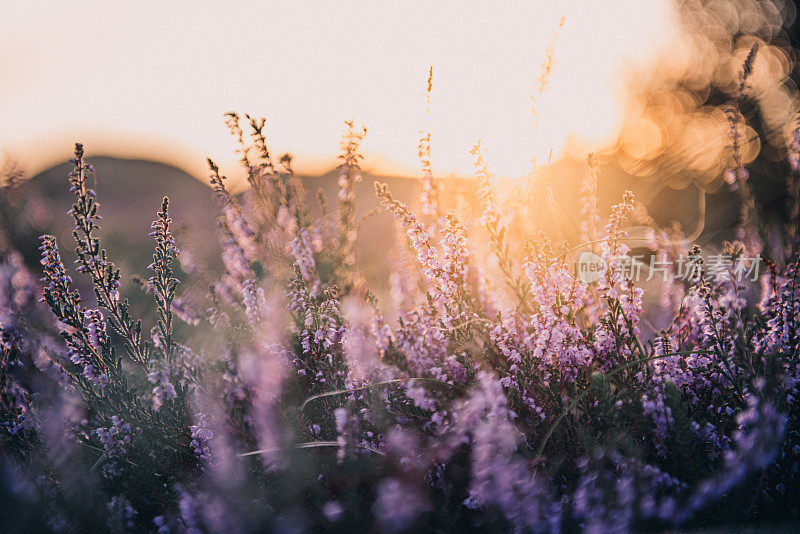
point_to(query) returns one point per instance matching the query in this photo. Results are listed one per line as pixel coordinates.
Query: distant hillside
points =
(130, 193)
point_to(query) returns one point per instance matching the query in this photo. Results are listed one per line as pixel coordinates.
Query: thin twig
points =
(381, 383)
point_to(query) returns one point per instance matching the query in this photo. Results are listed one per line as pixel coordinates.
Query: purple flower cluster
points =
(115, 440)
(201, 436)
(503, 393)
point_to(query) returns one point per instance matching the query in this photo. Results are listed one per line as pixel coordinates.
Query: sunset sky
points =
(153, 79)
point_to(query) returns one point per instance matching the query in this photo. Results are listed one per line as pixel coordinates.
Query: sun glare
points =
(153, 80)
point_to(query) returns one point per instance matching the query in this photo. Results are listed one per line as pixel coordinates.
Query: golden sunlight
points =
(152, 80)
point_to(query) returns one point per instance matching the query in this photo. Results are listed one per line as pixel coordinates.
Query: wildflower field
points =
(505, 378)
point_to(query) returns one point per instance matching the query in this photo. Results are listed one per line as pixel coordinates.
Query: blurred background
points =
(152, 80)
(541, 83)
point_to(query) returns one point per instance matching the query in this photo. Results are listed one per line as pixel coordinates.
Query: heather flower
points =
(254, 302)
(399, 504)
(780, 307)
(91, 259)
(234, 258)
(185, 312)
(116, 440)
(342, 419)
(499, 478)
(756, 442)
(603, 502)
(55, 275)
(235, 222)
(163, 390)
(615, 493)
(253, 387)
(363, 339)
(15, 405)
(431, 188)
(190, 513)
(303, 254)
(218, 318)
(201, 436)
(419, 396)
(492, 222)
(425, 346)
(95, 328)
(122, 514)
(455, 256)
(548, 411)
(616, 335)
(556, 336)
(349, 177)
(320, 331)
(85, 353)
(419, 238)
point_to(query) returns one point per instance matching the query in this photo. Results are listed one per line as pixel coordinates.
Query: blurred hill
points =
(130, 192)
